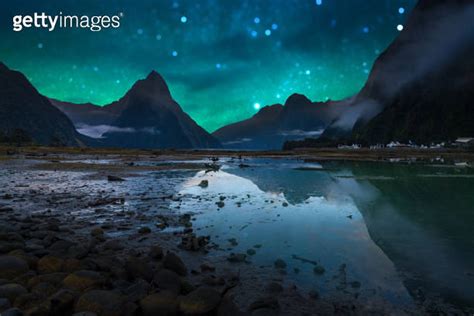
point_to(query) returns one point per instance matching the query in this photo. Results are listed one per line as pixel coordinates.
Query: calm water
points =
(378, 229)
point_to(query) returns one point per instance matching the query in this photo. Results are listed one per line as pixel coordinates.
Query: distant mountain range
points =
(422, 87)
(299, 118)
(146, 117)
(419, 89)
(27, 116)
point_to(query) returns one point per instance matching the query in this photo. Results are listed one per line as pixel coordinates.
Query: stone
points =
(204, 184)
(163, 303)
(53, 278)
(168, 280)
(227, 307)
(138, 268)
(174, 263)
(62, 302)
(319, 270)
(11, 291)
(50, 264)
(4, 304)
(113, 244)
(115, 179)
(144, 230)
(251, 252)
(156, 252)
(137, 291)
(280, 264)
(83, 280)
(12, 312)
(237, 257)
(12, 267)
(200, 301)
(97, 232)
(100, 302)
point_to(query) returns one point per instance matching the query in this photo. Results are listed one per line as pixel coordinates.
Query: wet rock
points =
(53, 278)
(212, 280)
(204, 184)
(144, 230)
(101, 302)
(227, 307)
(43, 289)
(200, 301)
(174, 263)
(280, 264)
(270, 303)
(62, 302)
(163, 303)
(285, 204)
(138, 268)
(220, 204)
(156, 252)
(233, 242)
(30, 259)
(71, 265)
(11, 291)
(111, 178)
(83, 280)
(12, 267)
(61, 246)
(167, 280)
(50, 264)
(251, 252)
(4, 304)
(114, 244)
(237, 257)
(97, 232)
(137, 291)
(12, 312)
(207, 268)
(192, 243)
(319, 270)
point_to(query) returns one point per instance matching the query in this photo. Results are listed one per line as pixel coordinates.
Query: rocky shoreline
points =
(71, 247)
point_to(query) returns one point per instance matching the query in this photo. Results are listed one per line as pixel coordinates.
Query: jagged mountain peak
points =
(153, 84)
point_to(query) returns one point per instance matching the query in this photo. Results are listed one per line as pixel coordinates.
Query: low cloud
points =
(98, 131)
(301, 133)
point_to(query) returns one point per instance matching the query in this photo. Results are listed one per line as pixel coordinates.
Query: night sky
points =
(221, 58)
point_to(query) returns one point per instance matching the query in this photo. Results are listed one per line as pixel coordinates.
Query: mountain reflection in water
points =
(379, 230)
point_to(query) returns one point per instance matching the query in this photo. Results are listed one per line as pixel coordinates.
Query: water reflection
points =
(277, 211)
(419, 219)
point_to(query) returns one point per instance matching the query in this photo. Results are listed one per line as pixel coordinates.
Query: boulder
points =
(12, 267)
(200, 301)
(83, 280)
(138, 268)
(50, 264)
(101, 302)
(163, 303)
(174, 263)
(11, 291)
(167, 280)
(62, 302)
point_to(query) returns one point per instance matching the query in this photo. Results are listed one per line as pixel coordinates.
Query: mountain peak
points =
(297, 100)
(153, 84)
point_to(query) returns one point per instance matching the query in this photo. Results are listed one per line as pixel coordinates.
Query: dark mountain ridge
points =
(273, 125)
(23, 110)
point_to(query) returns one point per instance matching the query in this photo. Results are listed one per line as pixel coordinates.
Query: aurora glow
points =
(220, 58)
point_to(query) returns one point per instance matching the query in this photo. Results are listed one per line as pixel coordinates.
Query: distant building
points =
(465, 142)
